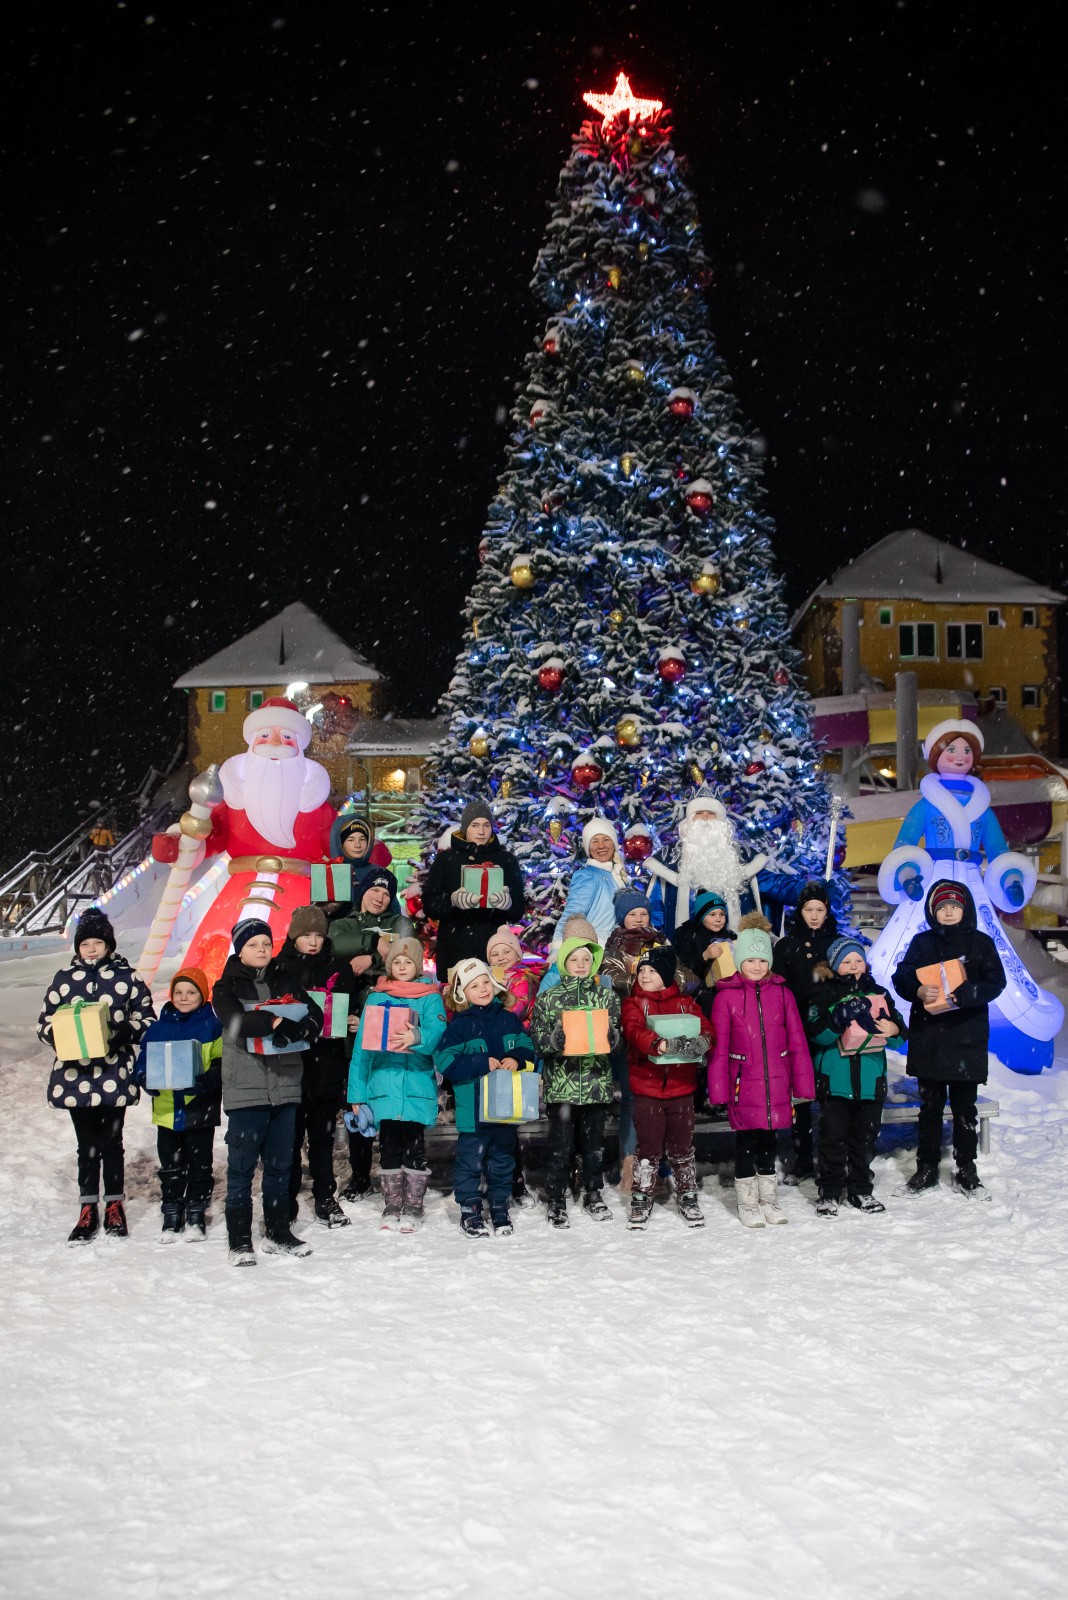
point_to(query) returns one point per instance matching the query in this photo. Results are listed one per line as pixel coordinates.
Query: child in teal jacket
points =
(400, 1086)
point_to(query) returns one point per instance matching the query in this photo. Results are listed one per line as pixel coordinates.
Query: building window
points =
(916, 641)
(998, 695)
(964, 641)
(1029, 617)
(255, 699)
(1031, 696)
(886, 616)
(993, 617)
(218, 700)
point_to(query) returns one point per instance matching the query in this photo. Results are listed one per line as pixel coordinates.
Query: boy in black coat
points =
(948, 1049)
(810, 933)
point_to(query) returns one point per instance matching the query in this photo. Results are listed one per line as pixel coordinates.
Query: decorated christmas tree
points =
(626, 636)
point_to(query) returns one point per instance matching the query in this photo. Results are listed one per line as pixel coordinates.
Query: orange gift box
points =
(945, 976)
(585, 1033)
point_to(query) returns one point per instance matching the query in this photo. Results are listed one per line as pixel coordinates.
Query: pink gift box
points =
(384, 1026)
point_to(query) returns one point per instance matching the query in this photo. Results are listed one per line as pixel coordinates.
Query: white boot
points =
(748, 1202)
(766, 1186)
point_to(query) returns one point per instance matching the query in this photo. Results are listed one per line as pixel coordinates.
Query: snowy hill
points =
(865, 1407)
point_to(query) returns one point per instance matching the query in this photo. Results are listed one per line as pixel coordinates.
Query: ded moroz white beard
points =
(273, 791)
(709, 859)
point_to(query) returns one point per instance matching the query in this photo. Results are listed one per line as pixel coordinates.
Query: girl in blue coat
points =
(400, 1086)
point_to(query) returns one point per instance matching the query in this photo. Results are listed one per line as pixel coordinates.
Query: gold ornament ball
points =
(616, 618)
(479, 746)
(615, 277)
(522, 575)
(506, 789)
(706, 583)
(628, 732)
(742, 623)
(635, 372)
(643, 250)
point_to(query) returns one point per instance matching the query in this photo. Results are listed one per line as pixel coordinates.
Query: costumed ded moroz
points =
(947, 834)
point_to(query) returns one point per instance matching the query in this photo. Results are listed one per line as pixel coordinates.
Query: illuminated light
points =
(293, 689)
(622, 99)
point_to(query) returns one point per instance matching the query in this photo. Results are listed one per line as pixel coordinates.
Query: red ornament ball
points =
(483, 551)
(415, 905)
(782, 677)
(753, 768)
(551, 343)
(638, 846)
(699, 497)
(550, 678)
(586, 772)
(671, 669)
(681, 408)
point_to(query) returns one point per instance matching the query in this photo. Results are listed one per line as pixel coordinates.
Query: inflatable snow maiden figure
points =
(946, 835)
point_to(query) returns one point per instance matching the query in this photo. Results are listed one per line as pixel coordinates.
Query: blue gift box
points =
(509, 1097)
(263, 1044)
(172, 1063)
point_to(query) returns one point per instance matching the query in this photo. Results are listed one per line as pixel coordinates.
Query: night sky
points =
(265, 301)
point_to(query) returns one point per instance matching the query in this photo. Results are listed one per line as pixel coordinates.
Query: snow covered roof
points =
(294, 645)
(395, 736)
(910, 565)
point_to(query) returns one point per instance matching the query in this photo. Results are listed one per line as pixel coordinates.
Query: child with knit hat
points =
(702, 941)
(261, 1092)
(632, 935)
(594, 885)
(309, 954)
(483, 1036)
(352, 841)
(504, 955)
(465, 925)
(760, 1064)
(400, 1086)
(850, 1087)
(663, 1092)
(97, 1090)
(578, 1088)
(186, 1119)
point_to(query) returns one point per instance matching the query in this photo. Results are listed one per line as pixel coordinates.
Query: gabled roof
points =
(910, 565)
(294, 645)
(396, 736)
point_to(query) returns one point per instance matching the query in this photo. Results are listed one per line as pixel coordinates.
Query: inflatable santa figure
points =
(273, 821)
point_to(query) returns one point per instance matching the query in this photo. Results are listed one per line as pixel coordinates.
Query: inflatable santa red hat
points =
(277, 712)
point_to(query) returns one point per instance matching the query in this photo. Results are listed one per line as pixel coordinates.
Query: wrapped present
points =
(335, 1010)
(945, 976)
(482, 882)
(680, 1027)
(172, 1063)
(383, 1026)
(293, 1010)
(82, 1030)
(723, 966)
(509, 1097)
(332, 882)
(858, 1039)
(585, 1032)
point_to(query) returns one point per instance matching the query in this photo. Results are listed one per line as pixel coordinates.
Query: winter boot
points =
(766, 1186)
(330, 1214)
(827, 1205)
(473, 1222)
(626, 1176)
(115, 1220)
(595, 1207)
(866, 1202)
(196, 1219)
(749, 1210)
(641, 1209)
(966, 1179)
(352, 1192)
(87, 1224)
(521, 1195)
(502, 1222)
(802, 1169)
(925, 1177)
(415, 1185)
(173, 1222)
(557, 1214)
(690, 1209)
(239, 1236)
(279, 1238)
(393, 1194)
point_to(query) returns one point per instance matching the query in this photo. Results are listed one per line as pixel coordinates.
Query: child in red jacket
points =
(663, 1092)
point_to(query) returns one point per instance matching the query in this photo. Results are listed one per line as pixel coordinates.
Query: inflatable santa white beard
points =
(709, 859)
(273, 790)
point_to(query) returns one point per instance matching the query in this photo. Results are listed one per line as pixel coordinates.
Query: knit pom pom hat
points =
(93, 924)
(404, 947)
(840, 948)
(752, 945)
(508, 936)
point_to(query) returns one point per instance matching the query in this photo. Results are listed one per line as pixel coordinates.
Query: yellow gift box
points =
(81, 1031)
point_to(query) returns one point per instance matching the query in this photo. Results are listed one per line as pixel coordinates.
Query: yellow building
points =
(960, 623)
(294, 652)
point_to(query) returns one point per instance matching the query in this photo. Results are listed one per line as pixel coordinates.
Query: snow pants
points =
(802, 1135)
(402, 1145)
(316, 1120)
(754, 1151)
(98, 1130)
(490, 1150)
(566, 1123)
(185, 1165)
(257, 1133)
(848, 1131)
(361, 1153)
(665, 1128)
(962, 1103)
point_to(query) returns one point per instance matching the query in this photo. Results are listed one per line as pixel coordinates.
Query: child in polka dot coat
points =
(97, 1092)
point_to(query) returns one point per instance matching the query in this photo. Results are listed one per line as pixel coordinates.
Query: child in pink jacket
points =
(759, 1066)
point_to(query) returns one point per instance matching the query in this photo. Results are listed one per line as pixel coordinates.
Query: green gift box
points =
(331, 882)
(683, 1027)
(482, 882)
(335, 1010)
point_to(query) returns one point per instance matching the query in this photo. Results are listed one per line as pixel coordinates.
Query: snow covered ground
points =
(866, 1406)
